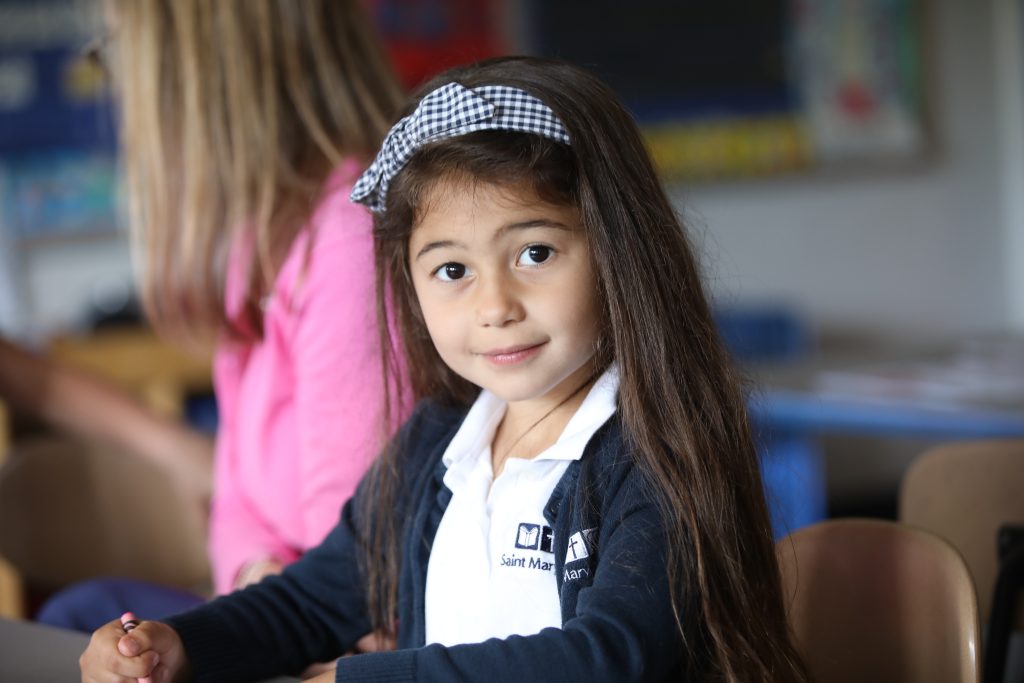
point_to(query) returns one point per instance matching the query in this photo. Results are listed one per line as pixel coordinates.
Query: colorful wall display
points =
(57, 138)
(725, 89)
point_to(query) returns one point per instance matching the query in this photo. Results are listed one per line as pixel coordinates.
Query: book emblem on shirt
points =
(535, 537)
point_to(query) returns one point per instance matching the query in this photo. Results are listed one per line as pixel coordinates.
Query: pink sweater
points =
(300, 410)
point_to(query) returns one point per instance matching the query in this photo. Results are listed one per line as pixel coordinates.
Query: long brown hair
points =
(696, 450)
(234, 113)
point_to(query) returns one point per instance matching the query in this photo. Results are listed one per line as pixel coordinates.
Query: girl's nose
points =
(497, 303)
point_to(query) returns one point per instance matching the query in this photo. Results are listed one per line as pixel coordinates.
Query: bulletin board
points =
(57, 138)
(726, 89)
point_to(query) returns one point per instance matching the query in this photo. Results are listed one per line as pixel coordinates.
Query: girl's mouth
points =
(512, 354)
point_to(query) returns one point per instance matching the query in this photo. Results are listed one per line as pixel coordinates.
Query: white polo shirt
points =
(492, 570)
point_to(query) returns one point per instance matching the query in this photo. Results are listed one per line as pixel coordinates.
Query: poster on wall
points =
(727, 89)
(857, 65)
(57, 138)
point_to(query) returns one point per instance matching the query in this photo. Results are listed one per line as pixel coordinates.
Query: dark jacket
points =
(617, 619)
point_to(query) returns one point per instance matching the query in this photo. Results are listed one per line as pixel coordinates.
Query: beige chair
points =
(70, 511)
(12, 592)
(878, 601)
(964, 492)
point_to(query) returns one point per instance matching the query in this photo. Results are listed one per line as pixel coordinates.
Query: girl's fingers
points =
(159, 646)
(148, 635)
(105, 660)
(161, 674)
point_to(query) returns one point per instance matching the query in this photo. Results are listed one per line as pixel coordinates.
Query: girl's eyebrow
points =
(518, 225)
(440, 244)
(534, 223)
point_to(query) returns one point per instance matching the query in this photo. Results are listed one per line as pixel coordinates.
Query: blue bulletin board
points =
(57, 138)
(722, 89)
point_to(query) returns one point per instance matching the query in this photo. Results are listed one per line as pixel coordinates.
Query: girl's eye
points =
(449, 272)
(534, 255)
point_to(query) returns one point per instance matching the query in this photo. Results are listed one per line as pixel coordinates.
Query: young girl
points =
(576, 496)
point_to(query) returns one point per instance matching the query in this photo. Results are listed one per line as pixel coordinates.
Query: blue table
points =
(972, 389)
(962, 390)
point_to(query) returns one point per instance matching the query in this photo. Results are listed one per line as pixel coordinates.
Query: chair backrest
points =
(12, 592)
(964, 492)
(70, 511)
(870, 600)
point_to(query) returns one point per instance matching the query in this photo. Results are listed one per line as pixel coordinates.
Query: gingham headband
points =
(447, 112)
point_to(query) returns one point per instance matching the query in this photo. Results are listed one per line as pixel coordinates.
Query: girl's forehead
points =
(462, 193)
(449, 204)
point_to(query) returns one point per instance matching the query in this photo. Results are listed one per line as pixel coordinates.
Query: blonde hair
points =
(233, 114)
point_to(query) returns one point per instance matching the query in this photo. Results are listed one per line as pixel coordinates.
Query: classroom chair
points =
(872, 600)
(70, 510)
(12, 592)
(965, 492)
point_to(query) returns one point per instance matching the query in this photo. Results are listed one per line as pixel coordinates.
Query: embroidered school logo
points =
(534, 537)
(578, 549)
(531, 537)
(579, 546)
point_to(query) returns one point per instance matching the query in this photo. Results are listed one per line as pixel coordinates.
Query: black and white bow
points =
(447, 112)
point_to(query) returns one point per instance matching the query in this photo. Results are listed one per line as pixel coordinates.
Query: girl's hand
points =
(152, 650)
(378, 641)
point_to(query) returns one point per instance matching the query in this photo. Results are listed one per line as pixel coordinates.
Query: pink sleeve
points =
(321, 339)
(337, 374)
(238, 534)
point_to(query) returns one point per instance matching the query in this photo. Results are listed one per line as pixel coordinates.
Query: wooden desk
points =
(32, 653)
(139, 361)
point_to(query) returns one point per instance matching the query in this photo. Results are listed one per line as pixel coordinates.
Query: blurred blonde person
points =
(243, 126)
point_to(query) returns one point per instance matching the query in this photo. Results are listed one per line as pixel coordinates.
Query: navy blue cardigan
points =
(617, 620)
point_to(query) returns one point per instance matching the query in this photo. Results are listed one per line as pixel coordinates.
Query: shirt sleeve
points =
(238, 534)
(312, 612)
(324, 310)
(338, 386)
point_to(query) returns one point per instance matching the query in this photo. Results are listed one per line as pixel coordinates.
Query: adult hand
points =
(152, 650)
(256, 571)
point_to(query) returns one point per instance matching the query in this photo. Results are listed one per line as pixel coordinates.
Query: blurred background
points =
(851, 172)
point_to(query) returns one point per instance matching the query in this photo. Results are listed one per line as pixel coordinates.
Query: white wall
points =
(916, 253)
(64, 282)
(1008, 20)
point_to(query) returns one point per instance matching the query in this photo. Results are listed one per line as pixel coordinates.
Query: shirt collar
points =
(477, 430)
